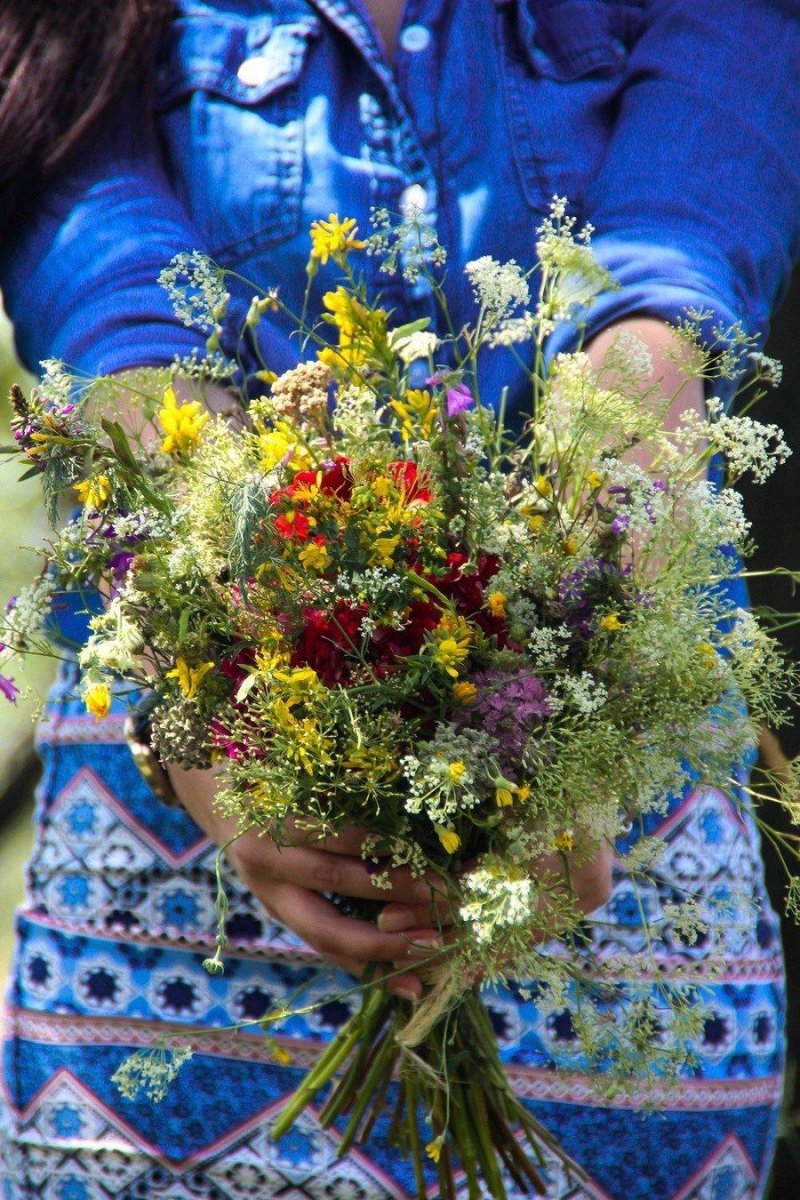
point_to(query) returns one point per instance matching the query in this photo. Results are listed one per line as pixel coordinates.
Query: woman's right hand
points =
(289, 882)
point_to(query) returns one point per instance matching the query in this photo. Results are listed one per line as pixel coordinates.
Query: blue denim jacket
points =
(672, 125)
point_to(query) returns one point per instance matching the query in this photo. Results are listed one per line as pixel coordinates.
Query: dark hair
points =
(62, 62)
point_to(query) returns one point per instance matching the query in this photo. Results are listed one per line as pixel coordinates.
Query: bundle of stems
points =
(452, 1083)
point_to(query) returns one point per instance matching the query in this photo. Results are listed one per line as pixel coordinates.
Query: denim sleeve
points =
(79, 275)
(697, 202)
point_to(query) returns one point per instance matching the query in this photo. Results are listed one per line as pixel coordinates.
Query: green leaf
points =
(121, 444)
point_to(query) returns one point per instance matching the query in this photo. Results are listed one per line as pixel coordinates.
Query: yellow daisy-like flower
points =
(537, 524)
(564, 840)
(496, 603)
(281, 1056)
(594, 479)
(97, 699)
(611, 623)
(570, 545)
(314, 557)
(434, 1149)
(456, 770)
(464, 692)
(334, 239)
(182, 423)
(94, 492)
(449, 839)
(503, 797)
(543, 485)
(189, 678)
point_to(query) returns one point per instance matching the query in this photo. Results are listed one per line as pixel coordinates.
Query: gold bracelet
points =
(151, 769)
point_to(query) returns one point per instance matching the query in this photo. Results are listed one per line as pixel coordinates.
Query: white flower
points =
(498, 287)
(584, 692)
(500, 900)
(411, 346)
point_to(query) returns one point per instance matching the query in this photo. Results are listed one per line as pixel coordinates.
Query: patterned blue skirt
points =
(119, 916)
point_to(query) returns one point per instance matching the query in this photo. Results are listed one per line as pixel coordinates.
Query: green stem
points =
(380, 1064)
(334, 1056)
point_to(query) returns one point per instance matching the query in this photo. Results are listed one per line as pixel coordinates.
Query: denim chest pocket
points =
(563, 66)
(231, 111)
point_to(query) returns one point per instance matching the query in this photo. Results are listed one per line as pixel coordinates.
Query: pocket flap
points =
(565, 39)
(245, 61)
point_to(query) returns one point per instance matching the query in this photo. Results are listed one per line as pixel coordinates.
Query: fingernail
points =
(396, 920)
(425, 942)
(405, 994)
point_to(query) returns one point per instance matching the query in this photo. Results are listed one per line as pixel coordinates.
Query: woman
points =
(266, 117)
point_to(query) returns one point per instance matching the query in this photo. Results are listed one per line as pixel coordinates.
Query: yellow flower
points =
(537, 524)
(611, 623)
(182, 423)
(281, 1056)
(449, 839)
(381, 486)
(450, 655)
(278, 444)
(503, 797)
(299, 680)
(594, 480)
(97, 699)
(464, 692)
(570, 545)
(565, 840)
(543, 485)
(456, 770)
(94, 492)
(189, 678)
(383, 549)
(496, 603)
(434, 1149)
(314, 557)
(417, 413)
(334, 239)
(709, 655)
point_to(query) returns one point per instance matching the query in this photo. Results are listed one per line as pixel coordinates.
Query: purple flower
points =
(120, 564)
(11, 604)
(510, 706)
(459, 398)
(9, 688)
(620, 523)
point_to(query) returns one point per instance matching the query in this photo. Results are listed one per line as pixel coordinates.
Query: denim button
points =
(413, 196)
(415, 38)
(255, 72)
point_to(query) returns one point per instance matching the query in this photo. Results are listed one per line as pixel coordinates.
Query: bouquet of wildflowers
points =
(377, 603)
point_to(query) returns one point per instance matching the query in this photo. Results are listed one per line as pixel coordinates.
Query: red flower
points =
(413, 484)
(333, 480)
(293, 525)
(327, 642)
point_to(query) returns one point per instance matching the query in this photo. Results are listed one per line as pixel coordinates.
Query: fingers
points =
(257, 858)
(351, 944)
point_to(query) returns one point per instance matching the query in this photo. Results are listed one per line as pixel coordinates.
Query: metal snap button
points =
(415, 38)
(413, 196)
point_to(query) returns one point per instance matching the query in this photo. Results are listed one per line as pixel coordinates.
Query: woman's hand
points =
(289, 882)
(589, 882)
